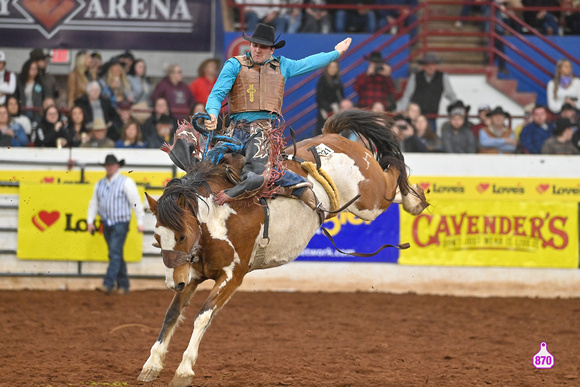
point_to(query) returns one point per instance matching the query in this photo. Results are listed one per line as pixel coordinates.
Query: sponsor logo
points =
(541, 188)
(565, 190)
(501, 190)
(45, 219)
(448, 188)
(425, 186)
(482, 187)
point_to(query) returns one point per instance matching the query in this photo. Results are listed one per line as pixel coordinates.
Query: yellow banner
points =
(499, 233)
(502, 188)
(52, 225)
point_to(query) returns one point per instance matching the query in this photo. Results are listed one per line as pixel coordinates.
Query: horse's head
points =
(178, 234)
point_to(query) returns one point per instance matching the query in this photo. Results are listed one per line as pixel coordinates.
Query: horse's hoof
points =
(181, 381)
(149, 375)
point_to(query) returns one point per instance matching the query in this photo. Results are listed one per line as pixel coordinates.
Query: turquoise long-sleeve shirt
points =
(289, 68)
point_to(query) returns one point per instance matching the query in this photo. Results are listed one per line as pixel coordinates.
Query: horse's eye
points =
(182, 238)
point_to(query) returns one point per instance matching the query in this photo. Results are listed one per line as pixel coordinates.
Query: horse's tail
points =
(375, 131)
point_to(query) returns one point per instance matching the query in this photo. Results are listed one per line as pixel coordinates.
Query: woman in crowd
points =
(11, 134)
(16, 116)
(30, 89)
(563, 88)
(130, 136)
(75, 133)
(426, 134)
(49, 129)
(115, 84)
(207, 73)
(329, 93)
(140, 85)
(413, 112)
(160, 108)
(77, 79)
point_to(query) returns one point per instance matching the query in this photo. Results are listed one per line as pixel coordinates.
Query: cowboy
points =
(113, 198)
(376, 84)
(497, 137)
(254, 83)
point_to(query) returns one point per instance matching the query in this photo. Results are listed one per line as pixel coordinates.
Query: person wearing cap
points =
(497, 137)
(568, 111)
(563, 88)
(163, 132)
(8, 81)
(98, 136)
(458, 137)
(254, 83)
(536, 132)
(561, 141)
(47, 79)
(376, 83)
(482, 111)
(113, 198)
(426, 88)
(458, 105)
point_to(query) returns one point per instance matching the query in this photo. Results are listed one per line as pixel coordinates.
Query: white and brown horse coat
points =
(201, 240)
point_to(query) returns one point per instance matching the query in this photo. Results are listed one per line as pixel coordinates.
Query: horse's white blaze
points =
(169, 278)
(200, 325)
(215, 217)
(167, 238)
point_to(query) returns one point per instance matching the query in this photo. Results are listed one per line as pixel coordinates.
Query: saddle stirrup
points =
(309, 198)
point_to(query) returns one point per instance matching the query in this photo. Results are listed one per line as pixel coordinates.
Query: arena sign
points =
(52, 225)
(179, 25)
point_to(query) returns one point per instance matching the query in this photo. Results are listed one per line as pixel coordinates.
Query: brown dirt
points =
(291, 339)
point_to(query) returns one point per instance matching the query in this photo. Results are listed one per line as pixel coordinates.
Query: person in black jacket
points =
(329, 93)
(95, 106)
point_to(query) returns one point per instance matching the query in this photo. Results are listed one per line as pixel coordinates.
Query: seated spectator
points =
(527, 119)
(317, 20)
(427, 134)
(49, 128)
(163, 132)
(8, 81)
(387, 16)
(483, 120)
(130, 136)
(30, 90)
(378, 107)
(346, 104)
(77, 79)
(150, 126)
(126, 58)
(376, 83)
(543, 21)
(569, 112)
(409, 142)
(560, 143)
(536, 132)
(457, 137)
(140, 85)
(98, 136)
(413, 112)
(293, 16)
(95, 66)
(497, 137)
(360, 19)
(329, 93)
(175, 91)
(570, 19)
(11, 134)
(114, 85)
(14, 111)
(96, 106)
(207, 74)
(124, 110)
(267, 15)
(457, 106)
(75, 132)
(563, 88)
(47, 79)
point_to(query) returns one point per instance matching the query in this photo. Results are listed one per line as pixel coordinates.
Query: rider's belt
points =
(257, 88)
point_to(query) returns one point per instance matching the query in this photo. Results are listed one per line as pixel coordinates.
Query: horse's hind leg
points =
(154, 364)
(222, 291)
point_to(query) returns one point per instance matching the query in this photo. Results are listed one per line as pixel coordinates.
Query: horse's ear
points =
(182, 201)
(152, 202)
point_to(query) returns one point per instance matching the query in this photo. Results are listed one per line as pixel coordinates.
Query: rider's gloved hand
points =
(211, 124)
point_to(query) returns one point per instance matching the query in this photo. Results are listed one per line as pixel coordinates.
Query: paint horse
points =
(201, 240)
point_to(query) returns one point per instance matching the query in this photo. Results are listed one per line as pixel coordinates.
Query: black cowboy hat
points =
(458, 105)
(266, 35)
(111, 159)
(429, 59)
(567, 106)
(375, 57)
(38, 54)
(497, 110)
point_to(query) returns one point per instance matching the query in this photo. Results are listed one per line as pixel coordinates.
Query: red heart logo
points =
(45, 219)
(542, 188)
(49, 12)
(482, 187)
(48, 180)
(424, 185)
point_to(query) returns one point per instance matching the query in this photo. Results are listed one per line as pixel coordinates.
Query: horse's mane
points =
(193, 186)
(375, 129)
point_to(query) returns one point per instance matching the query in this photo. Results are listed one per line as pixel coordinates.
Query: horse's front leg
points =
(154, 364)
(224, 288)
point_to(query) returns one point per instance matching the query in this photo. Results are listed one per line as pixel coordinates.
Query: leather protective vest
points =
(257, 87)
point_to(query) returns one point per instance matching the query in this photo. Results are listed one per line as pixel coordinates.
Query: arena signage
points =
(52, 225)
(107, 24)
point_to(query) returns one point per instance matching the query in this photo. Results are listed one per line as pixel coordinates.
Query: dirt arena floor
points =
(85, 338)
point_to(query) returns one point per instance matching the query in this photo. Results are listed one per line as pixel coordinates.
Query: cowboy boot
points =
(309, 198)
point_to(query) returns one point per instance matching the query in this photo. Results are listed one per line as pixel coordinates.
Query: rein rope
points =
(226, 144)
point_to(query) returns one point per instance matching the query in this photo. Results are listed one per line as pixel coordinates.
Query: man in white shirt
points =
(113, 198)
(7, 80)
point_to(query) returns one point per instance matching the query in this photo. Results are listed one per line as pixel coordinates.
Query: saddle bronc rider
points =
(254, 83)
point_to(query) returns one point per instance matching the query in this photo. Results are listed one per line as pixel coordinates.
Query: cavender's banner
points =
(52, 225)
(493, 233)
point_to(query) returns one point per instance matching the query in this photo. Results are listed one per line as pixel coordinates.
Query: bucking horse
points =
(202, 240)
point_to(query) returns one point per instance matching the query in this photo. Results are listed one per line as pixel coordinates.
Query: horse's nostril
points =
(179, 287)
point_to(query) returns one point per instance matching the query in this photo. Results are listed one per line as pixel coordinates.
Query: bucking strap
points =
(400, 246)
